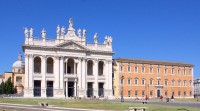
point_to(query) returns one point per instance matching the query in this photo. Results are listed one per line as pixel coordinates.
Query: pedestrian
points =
(161, 97)
(172, 98)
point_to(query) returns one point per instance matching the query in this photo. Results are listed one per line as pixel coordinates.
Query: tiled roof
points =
(153, 62)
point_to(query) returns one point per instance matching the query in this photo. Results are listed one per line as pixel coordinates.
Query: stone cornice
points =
(64, 49)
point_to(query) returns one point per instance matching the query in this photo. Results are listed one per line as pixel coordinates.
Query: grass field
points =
(94, 104)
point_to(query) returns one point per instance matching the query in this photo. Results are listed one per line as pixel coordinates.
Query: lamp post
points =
(122, 90)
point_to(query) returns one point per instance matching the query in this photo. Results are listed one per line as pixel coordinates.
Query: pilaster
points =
(43, 73)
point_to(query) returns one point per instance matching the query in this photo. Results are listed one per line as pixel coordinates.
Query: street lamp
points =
(122, 90)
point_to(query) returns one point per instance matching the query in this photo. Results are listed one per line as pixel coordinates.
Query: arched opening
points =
(70, 66)
(49, 65)
(90, 67)
(100, 68)
(37, 65)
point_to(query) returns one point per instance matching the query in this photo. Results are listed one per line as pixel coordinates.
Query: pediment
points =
(71, 45)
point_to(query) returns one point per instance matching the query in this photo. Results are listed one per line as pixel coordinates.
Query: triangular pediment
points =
(71, 45)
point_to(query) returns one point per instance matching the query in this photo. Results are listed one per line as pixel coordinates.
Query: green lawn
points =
(94, 104)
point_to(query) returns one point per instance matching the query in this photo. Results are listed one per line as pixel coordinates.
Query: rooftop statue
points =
(31, 32)
(84, 33)
(58, 30)
(43, 33)
(70, 22)
(95, 38)
(79, 32)
(25, 32)
(62, 31)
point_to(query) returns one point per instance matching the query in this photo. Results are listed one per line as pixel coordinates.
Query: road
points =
(184, 104)
(38, 108)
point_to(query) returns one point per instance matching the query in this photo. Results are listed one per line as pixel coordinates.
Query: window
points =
(172, 82)
(143, 92)
(122, 81)
(166, 70)
(172, 71)
(151, 93)
(179, 93)
(136, 92)
(129, 81)
(190, 82)
(151, 82)
(136, 69)
(158, 82)
(184, 71)
(50, 65)
(150, 70)
(190, 93)
(121, 68)
(166, 94)
(129, 68)
(18, 79)
(143, 68)
(184, 93)
(136, 81)
(184, 83)
(178, 71)
(129, 93)
(37, 65)
(143, 81)
(158, 70)
(179, 82)
(190, 72)
(166, 82)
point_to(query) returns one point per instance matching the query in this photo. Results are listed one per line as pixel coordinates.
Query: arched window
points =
(100, 68)
(37, 65)
(49, 65)
(90, 67)
(70, 66)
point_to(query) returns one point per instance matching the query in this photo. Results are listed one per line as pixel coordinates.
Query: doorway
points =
(49, 90)
(89, 89)
(70, 89)
(101, 90)
(158, 93)
(37, 88)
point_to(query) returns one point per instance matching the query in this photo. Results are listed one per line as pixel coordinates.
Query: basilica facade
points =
(67, 66)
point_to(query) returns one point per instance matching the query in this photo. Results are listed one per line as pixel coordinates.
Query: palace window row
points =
(143, 82)
(159, 69)
(151, 92)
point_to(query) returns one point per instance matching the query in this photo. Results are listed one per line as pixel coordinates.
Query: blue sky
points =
(166, 30)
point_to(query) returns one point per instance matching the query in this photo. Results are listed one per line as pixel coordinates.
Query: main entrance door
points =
(70, 89)
(158, 93)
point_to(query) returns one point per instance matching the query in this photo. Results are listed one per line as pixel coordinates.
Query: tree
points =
(1, 87)
(8, 87)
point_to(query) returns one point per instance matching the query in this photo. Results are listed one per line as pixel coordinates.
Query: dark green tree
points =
(1, 87)
(8, 87)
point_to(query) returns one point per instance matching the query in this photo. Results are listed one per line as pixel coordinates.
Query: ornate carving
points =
(70, 22)
(79, 32)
